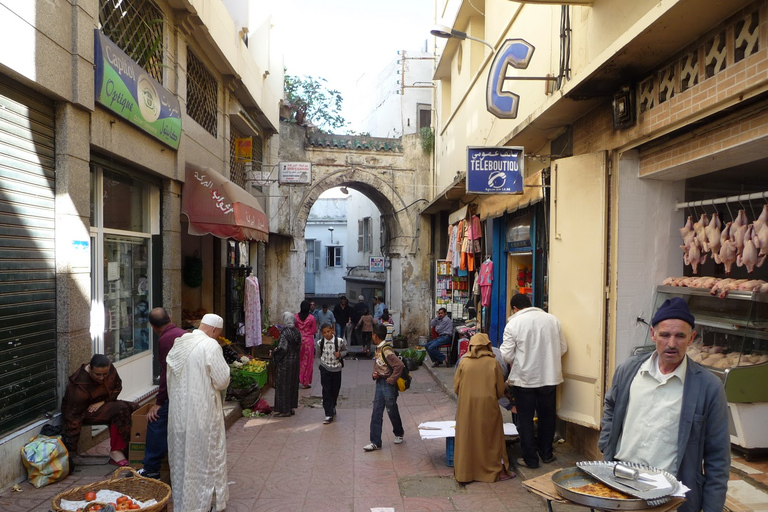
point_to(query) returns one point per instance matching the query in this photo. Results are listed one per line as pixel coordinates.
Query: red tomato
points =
(96, 507)
(122, 499)
(90, 496)
(134, 506)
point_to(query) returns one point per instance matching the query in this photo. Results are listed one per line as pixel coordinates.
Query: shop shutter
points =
(27, 252)
(578, 258)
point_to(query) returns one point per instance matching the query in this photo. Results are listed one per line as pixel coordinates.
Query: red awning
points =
(215, 205)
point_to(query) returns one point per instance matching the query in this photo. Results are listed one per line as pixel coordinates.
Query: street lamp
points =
(331, 230)
(447, 33)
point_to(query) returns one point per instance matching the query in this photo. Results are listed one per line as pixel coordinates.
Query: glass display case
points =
(126, 296)
(732, 342)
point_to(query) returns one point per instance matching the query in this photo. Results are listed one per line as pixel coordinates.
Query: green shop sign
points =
(129, 91)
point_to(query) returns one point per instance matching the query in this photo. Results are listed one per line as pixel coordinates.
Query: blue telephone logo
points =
(516, 53)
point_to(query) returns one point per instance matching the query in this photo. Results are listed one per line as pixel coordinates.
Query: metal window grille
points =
(236, 169)
(202, 94)
(136, 27)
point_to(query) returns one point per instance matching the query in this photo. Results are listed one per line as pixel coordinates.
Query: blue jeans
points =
(340, 332)
(433, 347)
(385, 397)
(157, 440)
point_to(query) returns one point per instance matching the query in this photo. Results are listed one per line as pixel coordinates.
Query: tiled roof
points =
(354, 142)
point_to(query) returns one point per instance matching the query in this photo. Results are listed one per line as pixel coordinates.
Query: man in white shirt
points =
(534, 345)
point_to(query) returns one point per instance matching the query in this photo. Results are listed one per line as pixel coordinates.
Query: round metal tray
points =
(566, 479)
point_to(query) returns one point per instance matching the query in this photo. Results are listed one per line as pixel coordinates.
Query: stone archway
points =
(386, 198)
(395, 179)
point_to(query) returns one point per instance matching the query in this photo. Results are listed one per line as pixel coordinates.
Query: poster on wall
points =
(376, 264)
(495, 170)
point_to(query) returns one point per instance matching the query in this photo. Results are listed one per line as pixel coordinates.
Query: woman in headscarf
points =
(306, 324)
(286, 359)
(480, 453)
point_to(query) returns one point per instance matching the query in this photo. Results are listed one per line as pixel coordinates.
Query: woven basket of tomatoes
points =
(133, 488)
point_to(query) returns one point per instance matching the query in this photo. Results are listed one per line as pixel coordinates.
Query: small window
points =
(333, 256)
(367, 234)
(424, 115)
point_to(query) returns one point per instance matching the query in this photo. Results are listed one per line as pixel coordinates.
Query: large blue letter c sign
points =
(516, 53)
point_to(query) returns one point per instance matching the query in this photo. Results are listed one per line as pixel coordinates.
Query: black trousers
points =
(542, 402)
(331, 382)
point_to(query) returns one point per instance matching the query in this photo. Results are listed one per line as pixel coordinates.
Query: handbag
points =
(46, 459)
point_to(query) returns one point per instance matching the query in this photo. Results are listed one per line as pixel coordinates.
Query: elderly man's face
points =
(672, 338)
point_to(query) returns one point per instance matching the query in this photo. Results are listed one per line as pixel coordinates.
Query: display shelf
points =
(451, 291)
(732, 343)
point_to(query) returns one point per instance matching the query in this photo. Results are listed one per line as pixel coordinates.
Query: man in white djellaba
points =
(197, 452)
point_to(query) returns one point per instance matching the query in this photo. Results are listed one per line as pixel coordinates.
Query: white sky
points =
(340, 40)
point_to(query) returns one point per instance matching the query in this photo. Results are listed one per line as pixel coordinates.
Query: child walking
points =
(332, 350)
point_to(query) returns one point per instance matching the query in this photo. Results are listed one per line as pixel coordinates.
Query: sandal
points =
(119, 463)
(506, 475)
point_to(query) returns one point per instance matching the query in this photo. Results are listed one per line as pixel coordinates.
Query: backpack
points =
(404, 381)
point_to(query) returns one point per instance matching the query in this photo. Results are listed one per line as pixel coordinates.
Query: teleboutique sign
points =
(495, 170)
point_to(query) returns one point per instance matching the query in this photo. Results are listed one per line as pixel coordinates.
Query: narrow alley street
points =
(298, 464)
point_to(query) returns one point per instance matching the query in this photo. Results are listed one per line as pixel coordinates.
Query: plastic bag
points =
(46, 459)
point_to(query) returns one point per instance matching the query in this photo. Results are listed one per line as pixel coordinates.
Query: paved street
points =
(299, 464)
(294, 464)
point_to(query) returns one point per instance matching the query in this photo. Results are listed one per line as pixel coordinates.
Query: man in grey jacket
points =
(667, 411)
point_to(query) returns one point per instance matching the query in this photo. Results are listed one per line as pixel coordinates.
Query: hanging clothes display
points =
(252, 312)
(486, 282)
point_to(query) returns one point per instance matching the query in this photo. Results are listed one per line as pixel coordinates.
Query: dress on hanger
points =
(252, 312)
(486, 282)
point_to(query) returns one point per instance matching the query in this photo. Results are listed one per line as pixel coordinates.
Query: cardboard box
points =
(138, 441)
(136, 457)
(139, 424)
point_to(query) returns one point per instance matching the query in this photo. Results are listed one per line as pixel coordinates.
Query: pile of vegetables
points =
(411, 353)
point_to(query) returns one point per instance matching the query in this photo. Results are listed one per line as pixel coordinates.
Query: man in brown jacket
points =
(91, 399)
(387, 368)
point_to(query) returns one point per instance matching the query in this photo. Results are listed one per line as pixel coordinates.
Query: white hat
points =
(213, 320)
(360, 297)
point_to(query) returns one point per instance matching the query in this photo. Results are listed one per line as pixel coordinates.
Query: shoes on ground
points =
(147, 474)
(371, 447)
(120, 463)
(506, 475)
(436, 364)
(398, 439)
(281, 415)
(305, 387)
(549, 460)
(521, 462)
(327, 420)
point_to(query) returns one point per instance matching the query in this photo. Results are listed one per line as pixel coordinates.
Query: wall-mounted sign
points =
(295, 173)
(126, 89)
(243, 149)
(495, 170)
(516, 53)
(376, 264)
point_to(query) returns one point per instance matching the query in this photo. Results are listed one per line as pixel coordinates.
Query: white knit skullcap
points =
(213, 320)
